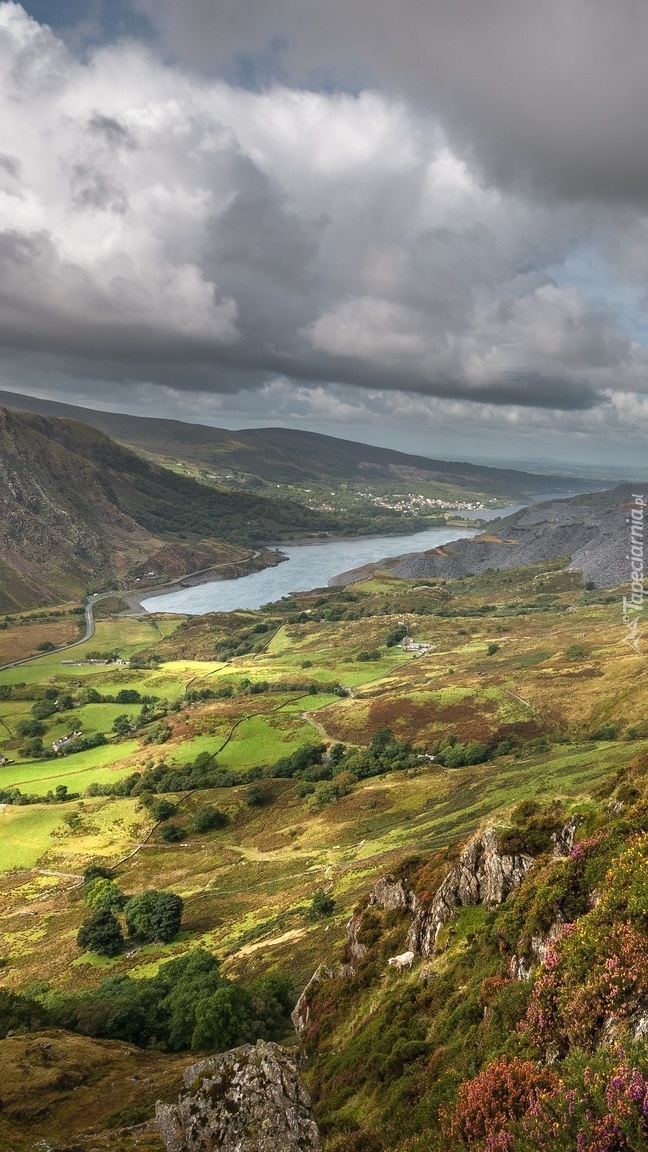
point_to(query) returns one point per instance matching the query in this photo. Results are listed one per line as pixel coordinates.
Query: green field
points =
(24, 834)
(246, 886)
(96, 765)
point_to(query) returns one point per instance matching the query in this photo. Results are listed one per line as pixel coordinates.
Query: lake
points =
(308, 566)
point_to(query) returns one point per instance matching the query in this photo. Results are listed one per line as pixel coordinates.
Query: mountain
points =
(285, 455)
(78, 512)
(590, 531)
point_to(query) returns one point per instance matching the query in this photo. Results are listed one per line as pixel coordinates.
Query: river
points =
(308, 566)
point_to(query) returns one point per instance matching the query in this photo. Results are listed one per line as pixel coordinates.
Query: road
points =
(94, 599)
(89, 633)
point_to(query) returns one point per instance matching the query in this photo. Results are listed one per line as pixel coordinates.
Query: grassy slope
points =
(247, 888)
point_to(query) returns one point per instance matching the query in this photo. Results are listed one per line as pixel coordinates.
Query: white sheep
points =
(405, 960)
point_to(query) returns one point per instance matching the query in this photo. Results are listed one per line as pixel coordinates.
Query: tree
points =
(255, 796)
(33, 747)
(104, 893)
(42, 709)
(19, 1013)
(492, 649)
(122, 725)
(208, 818)
(94, 871)
(154, 914)
(396, 635)
(162, 809)
(101, 933)
(128, 696)
(90, 696)
(223, 1020)
(322, 904)
(30, 728)
(172, 833)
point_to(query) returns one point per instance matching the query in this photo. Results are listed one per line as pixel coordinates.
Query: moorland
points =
(268, 768)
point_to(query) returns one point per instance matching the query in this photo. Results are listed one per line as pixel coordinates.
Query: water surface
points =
(308, 566)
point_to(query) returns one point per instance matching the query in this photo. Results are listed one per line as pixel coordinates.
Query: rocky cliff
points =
(251, 1099)
(483, 875)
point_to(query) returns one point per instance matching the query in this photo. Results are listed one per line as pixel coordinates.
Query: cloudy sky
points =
(421, 224)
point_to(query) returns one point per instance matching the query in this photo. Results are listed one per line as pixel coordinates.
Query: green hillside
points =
(81, 512)
(297, 458)
(269, 768)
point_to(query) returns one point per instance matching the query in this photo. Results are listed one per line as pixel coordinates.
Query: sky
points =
(423, 224)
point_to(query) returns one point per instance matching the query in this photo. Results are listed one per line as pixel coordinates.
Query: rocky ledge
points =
(251, 1099)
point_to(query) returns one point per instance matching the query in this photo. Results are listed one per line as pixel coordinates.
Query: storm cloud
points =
(548, 93)
(458, 217)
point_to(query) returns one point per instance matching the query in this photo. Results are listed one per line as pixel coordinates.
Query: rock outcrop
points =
(483, 875)
(525, 961)
(301, 1013)
(251, 1099)
(390, 895)
(592, 530)
(564, 840)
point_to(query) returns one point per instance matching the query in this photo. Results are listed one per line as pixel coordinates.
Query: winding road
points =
(89, 633)
(97, 596)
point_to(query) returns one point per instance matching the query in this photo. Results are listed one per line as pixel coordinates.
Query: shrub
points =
(396, 635)
(604, 732)
(42, 709)
(187, 1004)
(171, 833)
(322, 905)
(19, 1012)
(162, 809)
(255, 796)
(30, 728)
(96, 871)
(104, 893)
(576, 652)
(208, 818)
(33, 747)
(101, 933)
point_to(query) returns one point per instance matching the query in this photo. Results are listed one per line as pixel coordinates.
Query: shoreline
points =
(211, 575)
(216, 574)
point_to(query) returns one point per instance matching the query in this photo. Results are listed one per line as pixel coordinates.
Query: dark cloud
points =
(10, 165)
(93, 188)
(167, 226)
(548, 94)
(111, 131)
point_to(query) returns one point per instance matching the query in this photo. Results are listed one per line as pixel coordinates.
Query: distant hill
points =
(79, 512)
(285, 455)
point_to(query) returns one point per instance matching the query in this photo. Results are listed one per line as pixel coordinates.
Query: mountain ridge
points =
(284, 454)
(80, 512)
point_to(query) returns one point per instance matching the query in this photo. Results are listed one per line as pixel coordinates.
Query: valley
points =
(213, 787)
(521, 691)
